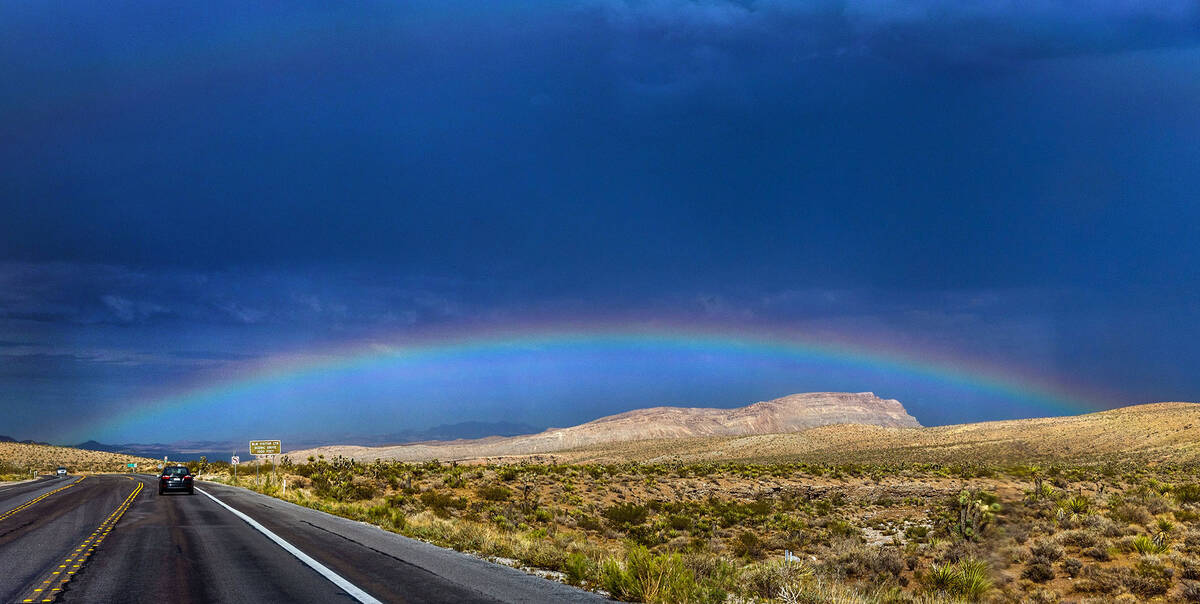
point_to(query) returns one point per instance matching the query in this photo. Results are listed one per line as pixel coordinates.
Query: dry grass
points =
(21, 459)
(909, 532)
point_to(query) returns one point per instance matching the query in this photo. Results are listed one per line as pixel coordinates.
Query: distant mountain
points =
(783, 415)
(221, 450)
(459, 431)
(175, 451)
(9, 439)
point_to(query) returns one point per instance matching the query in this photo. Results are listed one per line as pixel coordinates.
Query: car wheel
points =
(191, 491)
(160, 491)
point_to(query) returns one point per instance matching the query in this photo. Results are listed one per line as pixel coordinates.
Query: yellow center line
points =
(57, 578)
(39, 498)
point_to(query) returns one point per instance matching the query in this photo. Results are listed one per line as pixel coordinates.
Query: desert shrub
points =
(859, 561)
(1098, 580)
(1039, 570)
(1190, 591)
(968, 579)
(1049, 550)
(766, 580)
(645, 577)
(1098, 552)
(1149, 577)
(1072, 567)
(626, 514)
(588, 522)
(442, 503)
(1189, 568)
(1129, 513)
(1186, 493)
(715, 577)
(579, 569)
(386, 516)
(1081, 539)
(841, 528)
(747, 544)
(916, 532)
(493, 493)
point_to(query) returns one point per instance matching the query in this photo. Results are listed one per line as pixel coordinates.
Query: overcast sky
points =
(194, 190)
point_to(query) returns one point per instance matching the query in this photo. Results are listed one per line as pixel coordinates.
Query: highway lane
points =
(185, 548)
(182, 548)
(37, 537)
(15, 494)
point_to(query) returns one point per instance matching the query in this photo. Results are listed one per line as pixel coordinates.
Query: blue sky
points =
(191, 190)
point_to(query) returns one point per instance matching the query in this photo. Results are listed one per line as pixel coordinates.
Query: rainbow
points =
(1045, 395)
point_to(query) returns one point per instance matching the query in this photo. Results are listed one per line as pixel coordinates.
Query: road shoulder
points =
(492, 581)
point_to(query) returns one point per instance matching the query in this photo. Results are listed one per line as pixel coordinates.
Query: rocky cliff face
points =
(788, 414)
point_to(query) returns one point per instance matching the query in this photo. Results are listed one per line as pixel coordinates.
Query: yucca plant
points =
(967, 579)
(1162, 531)
(1143, 544)
(1072, 510)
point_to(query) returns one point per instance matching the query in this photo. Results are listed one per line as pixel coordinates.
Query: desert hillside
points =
(1151, 432)
(783, 415)
(23, 457)
(1157, 432)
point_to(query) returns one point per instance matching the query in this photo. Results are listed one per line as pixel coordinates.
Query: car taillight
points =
(165, 477)
(188, 477)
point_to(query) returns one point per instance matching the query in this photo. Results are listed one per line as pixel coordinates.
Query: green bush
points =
(493, 493)
(626, 514)
(1187, 493)
(646, 577)
(579, 569)
(1149, 577)
(747, 544)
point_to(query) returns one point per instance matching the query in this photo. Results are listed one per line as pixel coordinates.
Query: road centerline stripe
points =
(346, 586)
(39, 498)
(44, 594)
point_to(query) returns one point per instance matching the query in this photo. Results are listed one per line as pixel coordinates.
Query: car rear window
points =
(175, 471)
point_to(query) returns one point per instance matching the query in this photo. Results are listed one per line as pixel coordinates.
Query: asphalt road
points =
(113, 538)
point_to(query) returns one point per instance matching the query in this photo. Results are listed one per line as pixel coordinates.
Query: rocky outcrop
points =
(788, 414)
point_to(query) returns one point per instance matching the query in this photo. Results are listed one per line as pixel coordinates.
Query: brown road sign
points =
(264, 447)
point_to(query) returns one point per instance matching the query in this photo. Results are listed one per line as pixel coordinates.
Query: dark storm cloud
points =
(699, 41)
(470, 140)
(105, 294)
(210, 355)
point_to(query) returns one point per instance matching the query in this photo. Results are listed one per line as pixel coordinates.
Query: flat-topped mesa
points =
(802, 411)
(788, 414)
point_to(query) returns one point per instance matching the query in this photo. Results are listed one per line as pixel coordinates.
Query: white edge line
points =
(345, 585)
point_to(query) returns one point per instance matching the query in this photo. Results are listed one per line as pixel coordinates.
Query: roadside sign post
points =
(234, 460)
(261, 449)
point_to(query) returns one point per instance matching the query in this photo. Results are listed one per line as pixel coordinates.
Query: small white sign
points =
(235, 460)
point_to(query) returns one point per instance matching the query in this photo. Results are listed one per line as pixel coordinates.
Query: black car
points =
(176, 478)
